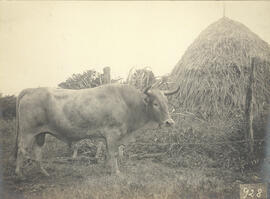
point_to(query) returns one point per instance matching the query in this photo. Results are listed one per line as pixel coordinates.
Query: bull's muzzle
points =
(169, 122)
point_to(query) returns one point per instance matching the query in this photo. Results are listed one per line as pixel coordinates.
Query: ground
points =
(142, 176)
(141, 179)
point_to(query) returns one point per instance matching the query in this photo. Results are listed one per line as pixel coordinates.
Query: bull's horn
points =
(172, 92)
(157, 84)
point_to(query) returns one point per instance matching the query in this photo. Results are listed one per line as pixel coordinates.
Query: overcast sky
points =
(43, 43)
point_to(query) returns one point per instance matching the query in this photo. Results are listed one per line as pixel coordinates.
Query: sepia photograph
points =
(134, 99)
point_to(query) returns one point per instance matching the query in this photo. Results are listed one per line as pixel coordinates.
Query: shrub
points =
(7, 107)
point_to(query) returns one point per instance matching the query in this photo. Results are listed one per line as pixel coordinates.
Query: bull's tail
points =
(17, 126)
(18, 121)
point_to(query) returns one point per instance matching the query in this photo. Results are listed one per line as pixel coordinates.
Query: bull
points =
(109, 112)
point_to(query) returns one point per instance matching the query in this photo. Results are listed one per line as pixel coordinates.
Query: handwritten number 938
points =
(252, 193)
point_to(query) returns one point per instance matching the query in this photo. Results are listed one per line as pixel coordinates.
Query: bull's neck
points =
(147, 115)
(140, 117)
(138, 112)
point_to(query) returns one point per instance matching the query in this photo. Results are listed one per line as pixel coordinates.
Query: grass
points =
(185, 168)
(144, 179)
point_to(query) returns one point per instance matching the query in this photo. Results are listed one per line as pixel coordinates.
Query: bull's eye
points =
(155, 104)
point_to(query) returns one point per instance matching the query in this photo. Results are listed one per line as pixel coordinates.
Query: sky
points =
(44, 43)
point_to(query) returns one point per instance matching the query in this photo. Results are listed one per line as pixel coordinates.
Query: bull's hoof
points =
(119, 174)
(18, 172)
(19, 177)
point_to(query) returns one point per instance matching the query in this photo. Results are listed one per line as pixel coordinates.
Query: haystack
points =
(214, 72)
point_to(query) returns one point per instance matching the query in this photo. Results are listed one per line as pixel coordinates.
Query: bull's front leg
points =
(112, 160)
(114, 163)
(75, 149)
(112, 151)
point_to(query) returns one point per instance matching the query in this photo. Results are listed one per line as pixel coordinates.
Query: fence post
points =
(249, 107)
(107, 75)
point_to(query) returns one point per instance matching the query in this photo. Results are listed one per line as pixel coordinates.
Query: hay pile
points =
(214, 72)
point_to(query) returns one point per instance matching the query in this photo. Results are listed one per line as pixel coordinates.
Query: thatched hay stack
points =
(214, 72)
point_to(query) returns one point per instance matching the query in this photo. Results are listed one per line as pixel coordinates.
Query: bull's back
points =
(94, 108)
(82, 110)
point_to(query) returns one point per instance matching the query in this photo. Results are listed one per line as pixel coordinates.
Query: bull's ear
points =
(146, 100)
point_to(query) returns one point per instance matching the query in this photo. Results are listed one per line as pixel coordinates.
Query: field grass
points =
(190, 165)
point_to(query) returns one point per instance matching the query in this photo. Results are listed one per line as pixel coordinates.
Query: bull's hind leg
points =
(23, 143)
(37, 148)
(99, 154)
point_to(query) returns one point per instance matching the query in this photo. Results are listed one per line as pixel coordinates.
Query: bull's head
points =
(157, 104)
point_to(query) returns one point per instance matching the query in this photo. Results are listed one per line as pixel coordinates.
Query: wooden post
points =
(224, 9)
(107, 75)
(249, 107)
